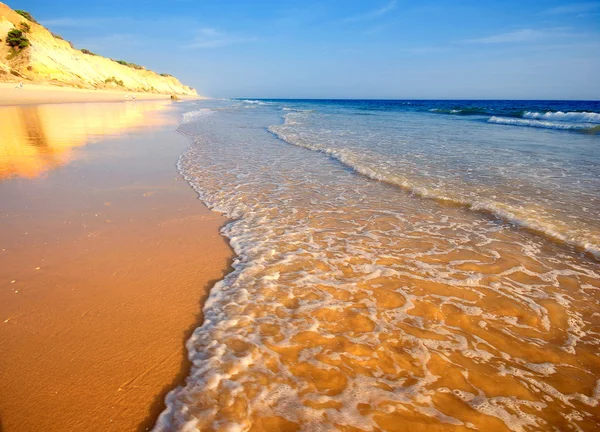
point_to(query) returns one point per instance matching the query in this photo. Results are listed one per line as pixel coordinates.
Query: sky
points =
(371, 49)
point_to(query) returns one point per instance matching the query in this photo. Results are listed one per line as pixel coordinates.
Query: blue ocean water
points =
(399, 265)
(533, 163)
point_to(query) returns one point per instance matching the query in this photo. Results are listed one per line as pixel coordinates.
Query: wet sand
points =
(106, 257)
(10, 94)
(357, 306)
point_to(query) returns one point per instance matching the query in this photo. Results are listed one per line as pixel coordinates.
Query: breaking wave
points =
(542, 124)
(580, 117)
(570, 120)
(531, 220)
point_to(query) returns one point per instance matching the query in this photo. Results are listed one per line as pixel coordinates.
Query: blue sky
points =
(347, 49)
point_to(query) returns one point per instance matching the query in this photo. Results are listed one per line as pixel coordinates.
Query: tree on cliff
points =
(16, 39)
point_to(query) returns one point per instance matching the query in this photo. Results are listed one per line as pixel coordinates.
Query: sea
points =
(400, 265)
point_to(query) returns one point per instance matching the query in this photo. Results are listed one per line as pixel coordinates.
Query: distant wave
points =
(541, 124)
(496, 209)
(555, 116)
(254, 102)
(584, 117)
(296, 109)
(463, 111)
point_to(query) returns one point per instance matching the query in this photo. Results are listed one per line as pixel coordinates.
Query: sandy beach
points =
(12, 94)
(107, 255)
(385, 217)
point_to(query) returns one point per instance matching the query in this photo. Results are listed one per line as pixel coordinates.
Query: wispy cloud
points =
(79, 22)
(573, 8)
(336, 49)
(373, 14)
(519, 36)
(423, 50)
(212, 38)
(108, 42)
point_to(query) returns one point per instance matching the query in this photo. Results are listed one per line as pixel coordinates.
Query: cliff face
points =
(52, 60)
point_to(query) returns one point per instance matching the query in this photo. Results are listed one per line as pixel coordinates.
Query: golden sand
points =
(106, 256)
(12, 94)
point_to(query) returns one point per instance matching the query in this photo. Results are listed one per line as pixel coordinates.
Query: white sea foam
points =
(296, 109)
(192, 116)
(513, 214)
(578, 117)
(538, 123)
(254, 102)
(348, 302)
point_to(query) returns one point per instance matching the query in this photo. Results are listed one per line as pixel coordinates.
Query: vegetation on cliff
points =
(26, 15)
(16, 39)
(51, 59)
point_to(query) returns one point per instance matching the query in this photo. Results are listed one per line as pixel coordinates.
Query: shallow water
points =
(358, 304)
(35, 139)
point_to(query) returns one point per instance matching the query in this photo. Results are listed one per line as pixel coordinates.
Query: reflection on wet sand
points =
(103, 265)
(38, 138)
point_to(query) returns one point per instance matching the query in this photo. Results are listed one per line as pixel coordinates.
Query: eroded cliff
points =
(50, 59)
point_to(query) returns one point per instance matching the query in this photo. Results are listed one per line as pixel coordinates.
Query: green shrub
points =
(131, 65)
(57, 36)
(26, 15)
(26, 28)
(112, 79)
(88, 52)
(166, 75)
(16, 39)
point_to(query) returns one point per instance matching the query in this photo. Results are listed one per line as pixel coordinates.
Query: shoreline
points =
(35, 94)
(158, 404)
(102, 292)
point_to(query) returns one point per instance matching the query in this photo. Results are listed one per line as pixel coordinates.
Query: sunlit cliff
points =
(52, 60)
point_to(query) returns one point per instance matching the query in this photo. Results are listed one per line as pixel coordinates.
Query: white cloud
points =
(109, 42)
(373, 14)
(423, 50)
(212, 38)
(573, 8)
(523, 35)
(79, 22)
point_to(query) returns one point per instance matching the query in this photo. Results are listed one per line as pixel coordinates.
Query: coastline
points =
(44, 94)
(103, 291)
